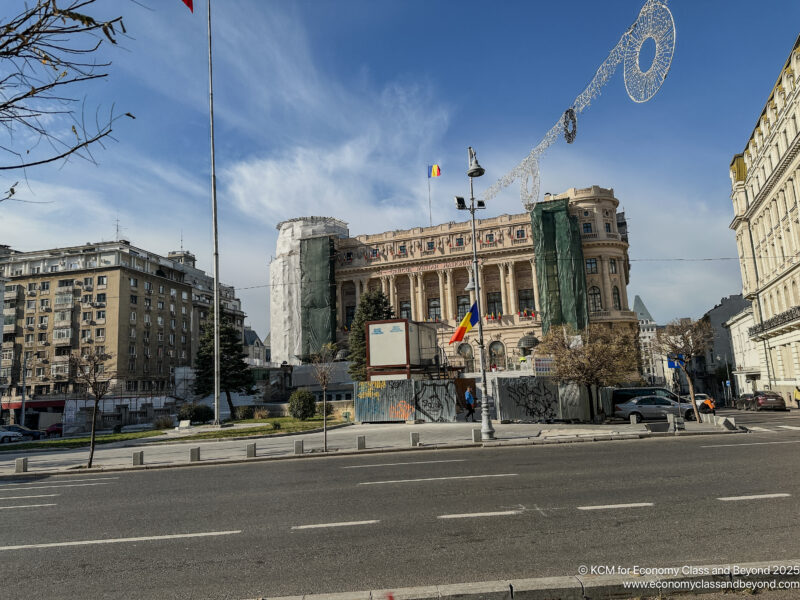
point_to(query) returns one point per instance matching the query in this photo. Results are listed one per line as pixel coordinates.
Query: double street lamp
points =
(475, 170)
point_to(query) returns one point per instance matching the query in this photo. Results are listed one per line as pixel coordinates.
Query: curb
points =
(698, 580)
(354, 452)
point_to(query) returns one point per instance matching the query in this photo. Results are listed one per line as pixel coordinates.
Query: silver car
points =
(652, 407)
(6, 435)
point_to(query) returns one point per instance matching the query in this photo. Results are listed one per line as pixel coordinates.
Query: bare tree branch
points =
(89, 371)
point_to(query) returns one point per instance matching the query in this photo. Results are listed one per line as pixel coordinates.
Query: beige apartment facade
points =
(765, 181)
(140, 308)
(424, 272)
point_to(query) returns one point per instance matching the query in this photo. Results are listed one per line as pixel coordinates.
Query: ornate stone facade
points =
(765, 181)
(423, 271)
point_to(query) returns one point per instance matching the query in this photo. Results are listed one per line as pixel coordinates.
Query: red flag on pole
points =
(189, 4)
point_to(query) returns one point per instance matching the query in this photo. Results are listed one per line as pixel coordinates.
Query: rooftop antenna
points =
(181, 240)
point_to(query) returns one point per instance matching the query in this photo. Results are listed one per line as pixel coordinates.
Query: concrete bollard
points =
(361, 442)
(633, 420)
(138, 458)
(251, 450)
(21, 465)
(476, 435)
(298, 446)
(194, 454)
(414, 439)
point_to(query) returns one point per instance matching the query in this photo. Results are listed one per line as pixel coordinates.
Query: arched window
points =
(497, 355)
(595, 303)
(615, 297)
(464, 350)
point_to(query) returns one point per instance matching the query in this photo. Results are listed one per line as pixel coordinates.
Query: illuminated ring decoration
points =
(655, 23)
(570, 125)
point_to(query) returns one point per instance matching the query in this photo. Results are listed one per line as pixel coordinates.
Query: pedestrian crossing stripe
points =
(761, 429)
(794, 427)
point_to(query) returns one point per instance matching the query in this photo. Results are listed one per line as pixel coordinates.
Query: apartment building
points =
(142, 309)
(765, 191)
(424, 272)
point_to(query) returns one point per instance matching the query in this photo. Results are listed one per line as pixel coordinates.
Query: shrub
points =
(328, 408)
(276, 425)
(244, 412)
(302, 405)
(118, 428)
(261, 413)
(195, 413)
(164, 422)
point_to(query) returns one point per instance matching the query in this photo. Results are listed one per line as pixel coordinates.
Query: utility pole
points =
(24, 380)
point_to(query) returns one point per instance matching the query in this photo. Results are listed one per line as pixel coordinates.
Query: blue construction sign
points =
(674, 362)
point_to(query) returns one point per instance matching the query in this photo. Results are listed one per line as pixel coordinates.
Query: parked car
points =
(55, 430)
(621, 395)
(705, 403)
(766, 400)
(26, 432)
(652, 407)
(741, 402)
(6, 436)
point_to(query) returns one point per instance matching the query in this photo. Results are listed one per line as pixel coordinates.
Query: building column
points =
(384, 285)
(423, 312)
(451, 299)
(503, 291)
(357, 283)
(393, 293)
(442, 296)
(538, 306)
(340, 315)
(608, 303)
(472, 291)
(512, 288)
(412, 293)
(483, 290)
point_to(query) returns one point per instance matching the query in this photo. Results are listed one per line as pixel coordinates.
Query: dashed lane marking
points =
(34, 496)
(502, 513)
(754, 497)
(150, 538)
(438, 478)
(44, 487)
(417, 462)
(613, 506)
(343, 524)
(25, 506)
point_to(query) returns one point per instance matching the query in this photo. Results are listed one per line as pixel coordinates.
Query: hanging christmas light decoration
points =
(654, 23)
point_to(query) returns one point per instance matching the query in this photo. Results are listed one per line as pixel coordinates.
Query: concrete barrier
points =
(414, 439)
(250, 449)
(476, 435)
(298, 447)
(138, 458)
(21, 465)
(633, 420)
(184, 424)
(194, 454)
(361, 442)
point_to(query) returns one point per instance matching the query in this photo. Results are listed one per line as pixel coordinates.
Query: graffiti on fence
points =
(527, 399)
(405, 400)
(403, 411)
(435, 400)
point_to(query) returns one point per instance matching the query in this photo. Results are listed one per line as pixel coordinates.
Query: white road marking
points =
(418, 462)
(343, 524)
(25, 506)
(35, 496)
(751, 444)
(57, 481)
(756, 497)
(794, 427)
(44, 487)
(764, 429)
(438, 478)
(613, 506)
(501, 513)
(151, 538)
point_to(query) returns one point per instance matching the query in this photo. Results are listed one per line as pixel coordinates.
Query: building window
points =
(134, 282)
(494, 303)
(44, 303)
(133, 317)
(612, 265)
(608, 227)
(44, 286)
(463, 305)
(434, 309)
(430, 246)
(459, 242)
(102, 280)
(490, 238)
(520, 234)
(405, 309)
(615, 298)
(586, 213)
(587, 228)
(402, 249)
(525, 298)
(591, 265)
(134, 299)
(349, 315)
(101, 297)
(595, 303)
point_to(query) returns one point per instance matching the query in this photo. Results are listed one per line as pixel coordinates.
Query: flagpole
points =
(216, 233)
(430, 214)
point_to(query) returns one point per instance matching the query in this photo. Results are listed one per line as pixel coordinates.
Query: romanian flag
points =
(189, 4)
(468, 322)
(434, 171)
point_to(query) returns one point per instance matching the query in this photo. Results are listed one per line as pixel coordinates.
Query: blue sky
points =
(335, 108)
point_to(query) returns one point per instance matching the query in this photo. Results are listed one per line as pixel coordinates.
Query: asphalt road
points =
(411, 518)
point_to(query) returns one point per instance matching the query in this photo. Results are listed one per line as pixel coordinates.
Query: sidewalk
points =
(379, 438)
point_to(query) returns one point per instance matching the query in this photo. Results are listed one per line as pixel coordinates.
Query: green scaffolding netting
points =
(559, 265)
(317, 290)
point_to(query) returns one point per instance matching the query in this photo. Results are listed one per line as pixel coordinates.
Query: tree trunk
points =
(91, 441)
(324, 419)
(230, 404)
(691, 395)
(591, 403)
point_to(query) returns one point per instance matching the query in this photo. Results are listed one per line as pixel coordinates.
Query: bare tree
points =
(323, 363)
(89, 371)
(597, 356)
(47, 51)
(683, 340)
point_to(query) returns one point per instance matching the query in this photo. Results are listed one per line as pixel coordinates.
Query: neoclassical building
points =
(765, 181)
(424, 272)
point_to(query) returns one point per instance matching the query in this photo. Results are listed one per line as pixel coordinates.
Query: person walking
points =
(469, 399)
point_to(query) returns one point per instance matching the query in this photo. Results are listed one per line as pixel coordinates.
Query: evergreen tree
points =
(374, 306)
(235, 376)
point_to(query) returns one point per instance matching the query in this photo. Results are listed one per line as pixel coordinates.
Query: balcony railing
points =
(788, 317)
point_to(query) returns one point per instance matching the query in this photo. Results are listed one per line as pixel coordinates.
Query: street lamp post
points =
(475, 170)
